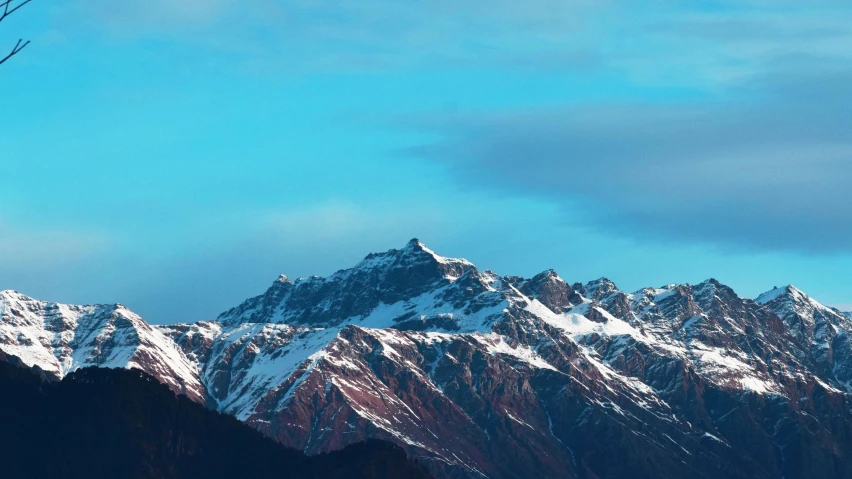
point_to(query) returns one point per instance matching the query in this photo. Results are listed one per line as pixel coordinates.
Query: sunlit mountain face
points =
(475, 374)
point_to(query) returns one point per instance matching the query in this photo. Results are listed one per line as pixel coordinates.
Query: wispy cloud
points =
(767, 167)
(338, 35)
(670, 43)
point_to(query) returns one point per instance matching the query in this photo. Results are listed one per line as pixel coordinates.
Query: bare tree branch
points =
(9, 7)
(17, 48)
(8, 3)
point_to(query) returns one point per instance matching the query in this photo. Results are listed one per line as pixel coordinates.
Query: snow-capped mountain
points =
(480, 375)
(60, 338)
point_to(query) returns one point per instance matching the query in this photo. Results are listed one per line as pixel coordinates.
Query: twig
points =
(6, 3)
(18, 47)
(8, 9)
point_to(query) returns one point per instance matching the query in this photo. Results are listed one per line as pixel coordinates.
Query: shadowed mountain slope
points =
(108, 423)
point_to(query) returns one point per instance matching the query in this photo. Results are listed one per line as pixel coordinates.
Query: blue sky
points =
(176, 156)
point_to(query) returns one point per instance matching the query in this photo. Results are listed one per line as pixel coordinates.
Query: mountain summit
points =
(382, 278)
(481, 375)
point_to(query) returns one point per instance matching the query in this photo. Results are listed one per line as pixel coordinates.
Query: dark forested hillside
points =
(122, 423)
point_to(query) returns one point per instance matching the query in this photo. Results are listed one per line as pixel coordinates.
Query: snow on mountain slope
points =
(481, 375)
(382, 278)
(60, 338)
(642, 347)
(821, 331)
(450, 398)
(241, 361)
(806, 318)
(240, 364)
(684, 324)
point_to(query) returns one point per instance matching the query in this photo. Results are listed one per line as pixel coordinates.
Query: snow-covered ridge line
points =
(414, 250)
(407, 336)
(423, 309)
(60, 338)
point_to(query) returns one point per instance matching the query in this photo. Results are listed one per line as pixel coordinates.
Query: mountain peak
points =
(416, 246)
(414, 249)
(12, 294)
(712, 284)
(414, 242)
(797, 300)
(789, 291)
(380, 278)
(551, 290)
(550, 274)
(599, 288)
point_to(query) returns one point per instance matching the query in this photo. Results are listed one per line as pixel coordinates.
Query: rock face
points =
(478, 375)
(381, 279)
(61, 338)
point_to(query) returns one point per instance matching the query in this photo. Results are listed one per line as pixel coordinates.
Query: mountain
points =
(821, 331)
(481, 375)
(121, 423)
(60, 338)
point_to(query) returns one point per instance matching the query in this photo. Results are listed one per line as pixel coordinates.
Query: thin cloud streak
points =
(770, 174)
(674, 44)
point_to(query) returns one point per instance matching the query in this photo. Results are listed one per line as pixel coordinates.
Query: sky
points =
(176, 156)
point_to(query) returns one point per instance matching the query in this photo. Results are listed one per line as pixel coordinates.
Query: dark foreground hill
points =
(113, 423)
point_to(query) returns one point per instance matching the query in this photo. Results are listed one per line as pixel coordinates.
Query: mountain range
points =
(475, 374)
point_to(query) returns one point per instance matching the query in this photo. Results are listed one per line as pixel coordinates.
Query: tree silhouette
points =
(9, 7)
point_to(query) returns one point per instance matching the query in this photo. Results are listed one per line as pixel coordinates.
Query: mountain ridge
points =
(477, 374)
